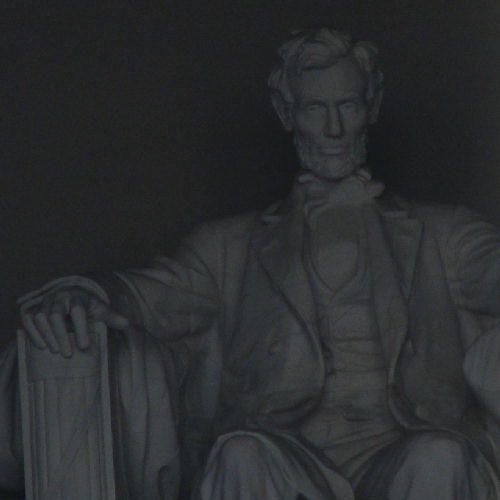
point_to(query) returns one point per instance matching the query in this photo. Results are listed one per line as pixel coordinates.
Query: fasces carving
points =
(66, 422)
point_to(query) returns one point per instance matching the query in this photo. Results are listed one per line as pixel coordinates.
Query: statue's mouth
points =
(333, 151)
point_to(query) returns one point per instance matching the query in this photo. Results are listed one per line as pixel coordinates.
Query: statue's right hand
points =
(73, 309)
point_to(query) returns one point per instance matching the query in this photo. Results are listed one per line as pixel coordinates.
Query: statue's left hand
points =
(60, 313)
(482, 370)
(482, 362)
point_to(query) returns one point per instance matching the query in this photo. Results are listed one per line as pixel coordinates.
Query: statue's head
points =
(327, 90)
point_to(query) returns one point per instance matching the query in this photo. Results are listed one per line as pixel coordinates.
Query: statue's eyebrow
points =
(313, 100)
(350, 98)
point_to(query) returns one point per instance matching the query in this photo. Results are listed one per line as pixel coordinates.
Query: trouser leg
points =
(422, 466)
(244, 469)
(250, 465)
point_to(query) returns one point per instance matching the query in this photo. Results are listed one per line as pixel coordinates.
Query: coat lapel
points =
(394, 240)
(403, 233)
(279, 249)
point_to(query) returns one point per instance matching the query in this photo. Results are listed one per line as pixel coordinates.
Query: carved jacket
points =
(238, 315)
(229, 337)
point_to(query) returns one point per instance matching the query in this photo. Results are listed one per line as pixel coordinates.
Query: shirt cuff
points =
(34, 298)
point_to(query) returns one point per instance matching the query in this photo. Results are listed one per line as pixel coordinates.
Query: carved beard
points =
(331, 167)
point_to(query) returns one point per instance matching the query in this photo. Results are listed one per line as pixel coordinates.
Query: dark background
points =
(124, 124)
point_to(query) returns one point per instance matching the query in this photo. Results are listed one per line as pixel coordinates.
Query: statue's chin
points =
(330, 167)
(333, 171)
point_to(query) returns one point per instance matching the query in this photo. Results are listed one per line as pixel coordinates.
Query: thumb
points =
(101, 311)
(115, 321)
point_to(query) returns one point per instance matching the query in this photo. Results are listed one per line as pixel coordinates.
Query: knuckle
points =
(49, 298)
(79, 308)
(29, 322)
(61, 293)
(79, 294)
(76, 300)
(93, 301)
(57, 308)
(26, 316)
(55, 317)
(30, 311)
(97, 309)
(39, 317)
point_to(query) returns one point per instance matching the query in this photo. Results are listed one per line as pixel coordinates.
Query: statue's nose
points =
(334, 126)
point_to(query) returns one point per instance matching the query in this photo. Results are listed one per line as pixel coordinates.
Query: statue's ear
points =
(375, 106)
(283, 110)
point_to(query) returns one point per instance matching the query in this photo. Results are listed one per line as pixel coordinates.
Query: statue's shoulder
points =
(445, 220)
(433, 212)
(229, 226)
(230, 232)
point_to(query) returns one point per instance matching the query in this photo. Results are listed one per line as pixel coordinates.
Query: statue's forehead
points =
(342, 78)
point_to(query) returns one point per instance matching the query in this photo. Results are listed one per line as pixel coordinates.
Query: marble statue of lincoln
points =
(341, 344)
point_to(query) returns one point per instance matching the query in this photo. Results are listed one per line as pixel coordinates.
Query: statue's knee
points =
(241, 450)
(439, 449)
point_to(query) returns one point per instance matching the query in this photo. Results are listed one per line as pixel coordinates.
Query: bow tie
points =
(312, 192)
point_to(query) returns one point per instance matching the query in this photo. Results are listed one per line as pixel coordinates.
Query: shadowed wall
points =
(123, 126)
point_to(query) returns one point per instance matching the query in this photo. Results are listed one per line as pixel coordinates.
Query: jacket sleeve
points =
(174, 297)
(474, 248)
(473, 262)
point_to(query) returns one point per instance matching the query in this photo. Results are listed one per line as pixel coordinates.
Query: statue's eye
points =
(349, 105)
(313, 107)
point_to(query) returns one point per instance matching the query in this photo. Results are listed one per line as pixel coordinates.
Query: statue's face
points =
(329, 119)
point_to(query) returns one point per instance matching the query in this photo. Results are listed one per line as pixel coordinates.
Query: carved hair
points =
(322, 48)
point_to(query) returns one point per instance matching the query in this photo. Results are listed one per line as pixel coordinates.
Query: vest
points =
(352, 421)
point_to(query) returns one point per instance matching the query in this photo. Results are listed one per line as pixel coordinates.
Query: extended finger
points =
(79, 318)
(34, 335)
(102, 312)
(42, 323)
(115, 320)
(58, 325)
